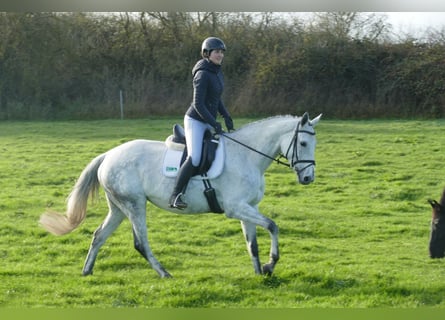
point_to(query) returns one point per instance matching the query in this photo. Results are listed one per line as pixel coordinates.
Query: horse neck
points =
(265, 136)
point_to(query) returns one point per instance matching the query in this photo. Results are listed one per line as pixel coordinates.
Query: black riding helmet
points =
(210, 44)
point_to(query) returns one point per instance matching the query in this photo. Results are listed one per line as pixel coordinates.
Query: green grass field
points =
(356, 237)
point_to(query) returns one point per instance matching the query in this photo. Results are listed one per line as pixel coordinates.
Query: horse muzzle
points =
(305, 179)
(305, 175)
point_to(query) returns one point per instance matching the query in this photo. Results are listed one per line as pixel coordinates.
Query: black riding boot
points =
(185, 173)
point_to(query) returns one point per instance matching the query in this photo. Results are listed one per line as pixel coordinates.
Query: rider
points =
(208, 85)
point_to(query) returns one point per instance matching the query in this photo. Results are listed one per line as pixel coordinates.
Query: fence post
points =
(122, 104)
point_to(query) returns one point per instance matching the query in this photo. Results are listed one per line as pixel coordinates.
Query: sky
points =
(414, 22)
(405, 23)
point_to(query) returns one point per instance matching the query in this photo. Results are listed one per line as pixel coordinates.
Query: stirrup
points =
(176, 202)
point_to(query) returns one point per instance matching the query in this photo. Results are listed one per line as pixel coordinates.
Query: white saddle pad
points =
(172, 161)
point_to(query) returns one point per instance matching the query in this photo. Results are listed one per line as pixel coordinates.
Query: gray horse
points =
(132, 173)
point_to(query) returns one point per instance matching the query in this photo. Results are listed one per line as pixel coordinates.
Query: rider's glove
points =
(218, 128)
(229, 123)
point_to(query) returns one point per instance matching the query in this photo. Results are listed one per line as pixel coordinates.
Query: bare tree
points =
(352, 25)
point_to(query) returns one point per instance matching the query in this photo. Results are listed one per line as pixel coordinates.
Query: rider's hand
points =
(229, 124)
(218, 128)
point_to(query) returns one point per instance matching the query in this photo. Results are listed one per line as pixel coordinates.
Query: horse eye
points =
(303, 144)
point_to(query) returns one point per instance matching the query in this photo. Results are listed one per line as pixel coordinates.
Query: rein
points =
(277, 160)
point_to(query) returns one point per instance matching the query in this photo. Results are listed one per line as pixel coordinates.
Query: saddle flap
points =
(173, 159)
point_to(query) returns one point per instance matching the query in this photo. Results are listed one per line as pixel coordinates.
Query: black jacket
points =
(208, 86)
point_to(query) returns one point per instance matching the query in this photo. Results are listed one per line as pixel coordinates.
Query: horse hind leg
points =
(146, 252)
(111, 222)
(142, 246)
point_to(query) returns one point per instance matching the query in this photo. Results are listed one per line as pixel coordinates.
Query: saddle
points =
(209, 146)
(210, 165)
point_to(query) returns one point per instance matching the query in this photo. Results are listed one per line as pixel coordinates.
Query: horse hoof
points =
(166, 275)
(267, 269)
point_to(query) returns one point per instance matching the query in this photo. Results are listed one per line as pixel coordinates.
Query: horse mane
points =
(255, 123)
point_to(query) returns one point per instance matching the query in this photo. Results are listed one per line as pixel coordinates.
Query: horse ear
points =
(304, 119)
(314, 121)
(438, 211)
(434, 203)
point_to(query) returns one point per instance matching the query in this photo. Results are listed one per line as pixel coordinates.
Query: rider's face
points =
(216, 56)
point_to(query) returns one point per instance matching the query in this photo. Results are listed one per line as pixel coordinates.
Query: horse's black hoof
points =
(267, 269)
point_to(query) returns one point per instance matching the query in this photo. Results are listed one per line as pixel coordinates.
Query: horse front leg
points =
(249, 231)
(250, 218)
(274, 255)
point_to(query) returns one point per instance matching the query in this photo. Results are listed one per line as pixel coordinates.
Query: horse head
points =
(300, 149)
(437, 237)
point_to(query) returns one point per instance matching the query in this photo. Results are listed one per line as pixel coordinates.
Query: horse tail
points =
(87, 185)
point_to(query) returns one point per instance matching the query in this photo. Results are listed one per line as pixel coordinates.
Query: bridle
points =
(293, 142)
